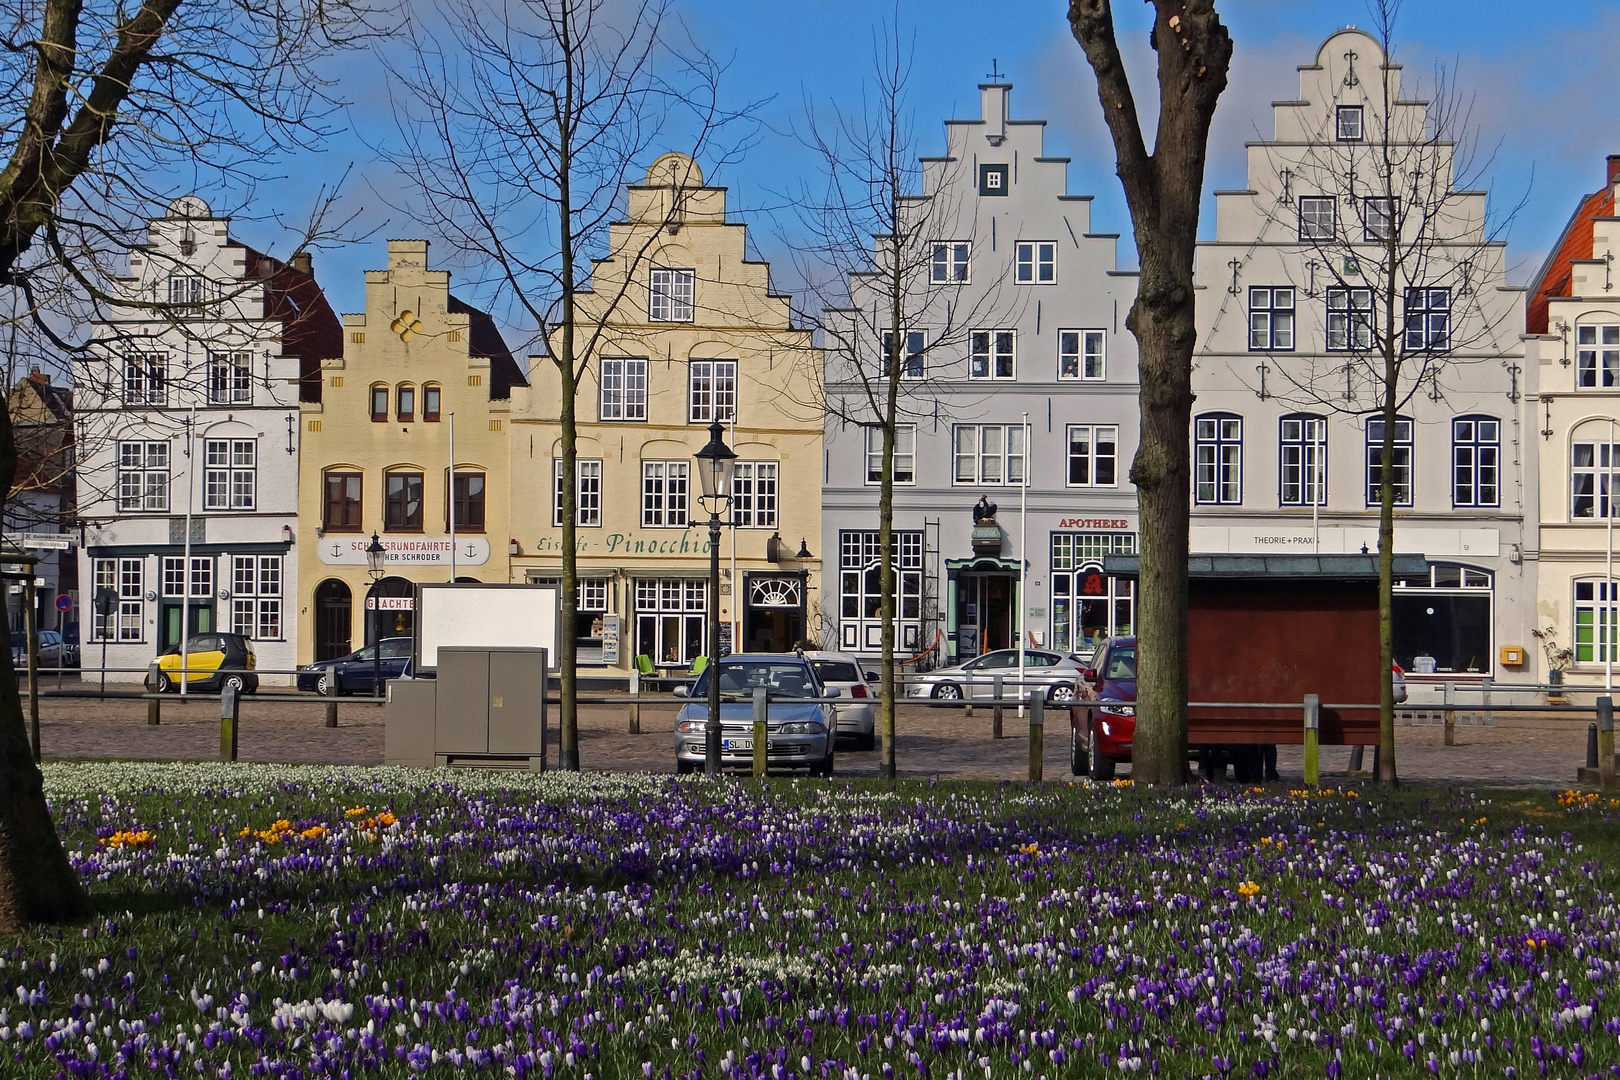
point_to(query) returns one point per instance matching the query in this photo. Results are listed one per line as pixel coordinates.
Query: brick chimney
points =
(1614, 167)
(302, 262)
(993, 110)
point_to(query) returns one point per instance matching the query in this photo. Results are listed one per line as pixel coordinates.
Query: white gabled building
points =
(188, 437)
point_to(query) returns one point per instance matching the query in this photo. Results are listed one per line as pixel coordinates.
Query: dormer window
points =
(1348, 119)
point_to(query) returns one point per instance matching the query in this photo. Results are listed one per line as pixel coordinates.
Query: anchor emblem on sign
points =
(471, 550)
(337, 549)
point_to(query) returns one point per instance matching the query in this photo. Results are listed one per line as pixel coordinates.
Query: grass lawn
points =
(263, 921)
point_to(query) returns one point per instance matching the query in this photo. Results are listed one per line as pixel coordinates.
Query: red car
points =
(1109, 691)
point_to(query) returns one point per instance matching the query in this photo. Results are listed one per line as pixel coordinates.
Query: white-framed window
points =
(670, 619)
(905, 454)
(1347, 124)
(1402, 472)
(1476, 450)
(230, 474)
(587, 492)
(1093, 455)
(950, 262)
(1082, 354)
(1377, 219)
(202, 576)
(1218, 459)
(1428, 319)
(989, 453)
(911, 365)
(753, 495)
(1302, 461)
(1035, 262)
(230, 378)
(1271, 318)
(1592, 464)
(991, 355)
(127, 578)
(1597, 355)
(624, 388)
(188, 288)
(146, 379)
(860, 588)
(669, 295)
(1317, 217)
(1349, 319)
(1597, 618)
(713, 391)
(143, 476)
(256, 596)
(664, 487)
(1088, 606)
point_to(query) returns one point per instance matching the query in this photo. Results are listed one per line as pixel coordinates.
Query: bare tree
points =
(107, 111)
(1162, 190)
(1383, 197)
(522, 127)
(884, 258)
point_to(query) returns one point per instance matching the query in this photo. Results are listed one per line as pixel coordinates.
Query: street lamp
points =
(715, 463)
(376, 560)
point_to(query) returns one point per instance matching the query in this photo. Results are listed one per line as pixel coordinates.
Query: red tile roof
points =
(1575, 243)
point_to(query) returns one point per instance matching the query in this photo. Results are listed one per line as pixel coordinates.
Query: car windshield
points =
(833, 671)
(784, 679)
(1121, 663)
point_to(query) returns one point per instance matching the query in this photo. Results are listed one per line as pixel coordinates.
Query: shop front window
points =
(591, 599)
(1088, 606)
(670, 618)
(860, 584)
(1443, 621)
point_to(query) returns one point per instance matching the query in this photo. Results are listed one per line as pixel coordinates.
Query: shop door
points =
(773, 618)
(984, 614)
(202, 622)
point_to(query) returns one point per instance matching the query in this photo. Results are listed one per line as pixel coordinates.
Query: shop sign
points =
(405, 551)
(1116, 524)
(390, 603)
(685, 542)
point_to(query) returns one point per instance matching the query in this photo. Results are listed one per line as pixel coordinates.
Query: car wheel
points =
(326, 684)
(158, 682)
(1061, 694)
(1078, 761)
(233, 682)
(947, 691)
(826, 766)
(1101, 768)
(683, 767)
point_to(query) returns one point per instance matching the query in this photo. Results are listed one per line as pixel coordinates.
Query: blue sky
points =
(1543, 104)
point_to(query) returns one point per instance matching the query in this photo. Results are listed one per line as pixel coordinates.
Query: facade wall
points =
(1275, 411)
(643, 411)
(161, 397)
(955, 600)
(1575, 348)
(413, 338)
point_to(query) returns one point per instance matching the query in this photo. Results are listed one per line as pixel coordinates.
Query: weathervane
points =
(995, 71)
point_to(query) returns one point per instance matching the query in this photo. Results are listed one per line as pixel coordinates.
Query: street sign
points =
(64, 602)
(46, 543)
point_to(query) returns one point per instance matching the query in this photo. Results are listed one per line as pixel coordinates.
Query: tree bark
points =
(1163, 191)
(887, 767)
(37, 884)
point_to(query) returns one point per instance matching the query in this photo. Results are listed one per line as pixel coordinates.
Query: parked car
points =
(353, 674)
(212, 662)
(800, 719)
(1107, 740)
(52, 651)
(856, 714)
(975, 678)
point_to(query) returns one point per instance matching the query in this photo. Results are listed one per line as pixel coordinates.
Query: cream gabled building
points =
(376, 455)
(698, 336)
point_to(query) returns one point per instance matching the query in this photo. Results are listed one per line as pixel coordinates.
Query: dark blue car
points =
(353, 674)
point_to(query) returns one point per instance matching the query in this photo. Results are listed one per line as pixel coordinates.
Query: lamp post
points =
(376, 559)
(715, 463)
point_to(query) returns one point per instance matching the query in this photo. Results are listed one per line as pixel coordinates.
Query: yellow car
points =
(212, 662)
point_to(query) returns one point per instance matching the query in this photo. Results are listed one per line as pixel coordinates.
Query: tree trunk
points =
(1386, 554)
(886, 760)
(567, 643)
(36, 882)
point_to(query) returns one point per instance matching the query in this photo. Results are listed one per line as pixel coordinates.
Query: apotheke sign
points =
(405, 551)
(1096, 523)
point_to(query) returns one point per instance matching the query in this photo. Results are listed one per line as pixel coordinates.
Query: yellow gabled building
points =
(697, 336)
(375, 455)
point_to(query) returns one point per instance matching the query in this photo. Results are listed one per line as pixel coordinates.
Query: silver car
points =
(857, 699)
(976, 678)
(800, 719)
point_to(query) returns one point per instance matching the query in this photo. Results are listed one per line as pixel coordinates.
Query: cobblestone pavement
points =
(1521, 749)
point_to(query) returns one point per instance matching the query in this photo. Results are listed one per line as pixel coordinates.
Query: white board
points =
(513, 616)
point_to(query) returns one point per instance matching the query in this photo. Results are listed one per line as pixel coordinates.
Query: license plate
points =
(737, 744)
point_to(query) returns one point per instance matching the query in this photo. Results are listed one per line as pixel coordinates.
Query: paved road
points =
(1518, 750)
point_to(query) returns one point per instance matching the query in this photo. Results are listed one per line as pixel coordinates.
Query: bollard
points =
(230, 704)
(1356, 753)
(331, 713)
(762, 715)
(1605, 723)
(154, 711)
(1313, 730)
(1485, 688)
(1591, 746)
(995, 712)
(1037, 735)
(1451, 716)
(635, 703)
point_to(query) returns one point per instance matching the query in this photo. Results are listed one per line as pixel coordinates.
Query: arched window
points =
(379, 403)
(1218, 460)
(406, 403)
(430, 403)
(1302, 460)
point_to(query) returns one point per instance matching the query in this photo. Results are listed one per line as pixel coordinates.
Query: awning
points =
(1329, 567)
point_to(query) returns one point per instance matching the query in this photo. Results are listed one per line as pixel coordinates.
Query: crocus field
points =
(263, 921)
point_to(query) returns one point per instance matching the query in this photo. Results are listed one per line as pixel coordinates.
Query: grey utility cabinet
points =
(486, 708)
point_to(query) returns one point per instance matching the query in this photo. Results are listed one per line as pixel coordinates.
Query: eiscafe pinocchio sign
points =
(405, 551)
